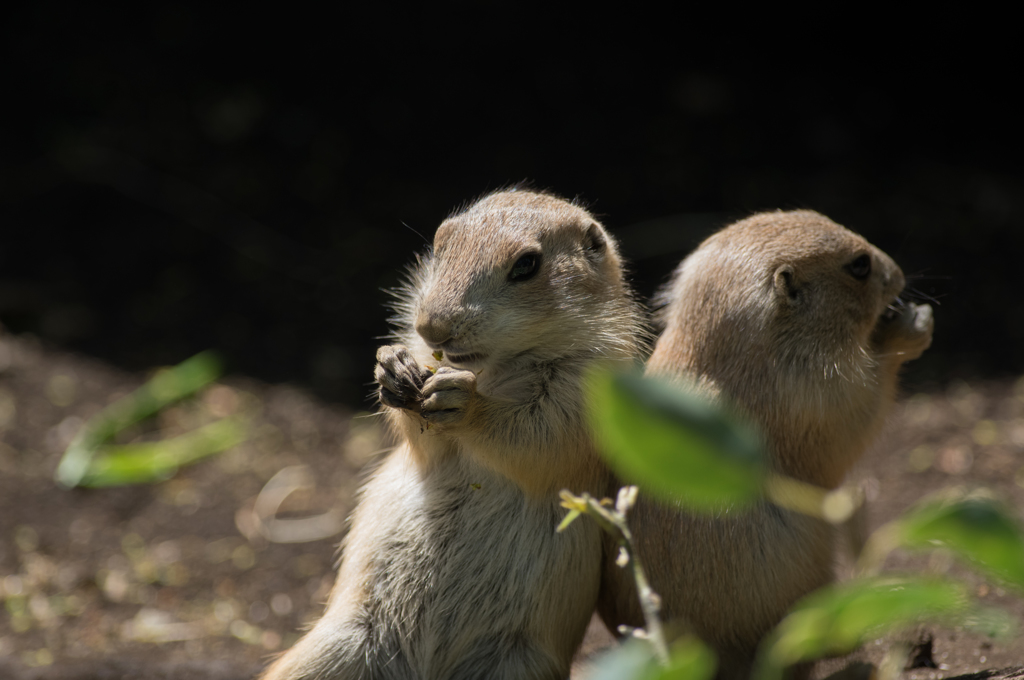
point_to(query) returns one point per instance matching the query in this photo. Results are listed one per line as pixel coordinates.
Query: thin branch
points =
(613, 520)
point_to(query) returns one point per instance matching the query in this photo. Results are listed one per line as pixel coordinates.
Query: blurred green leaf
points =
(635, 659)
(166, 387)
(979, 529)
(839, 618)
(690, 659)
(632, 660)
(673, 443)
(155, 461)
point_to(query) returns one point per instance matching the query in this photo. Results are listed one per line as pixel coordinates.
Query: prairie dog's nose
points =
(433, 328)
(897, 281)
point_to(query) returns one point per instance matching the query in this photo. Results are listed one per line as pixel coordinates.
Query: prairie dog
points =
(796, 322)
(452, 568)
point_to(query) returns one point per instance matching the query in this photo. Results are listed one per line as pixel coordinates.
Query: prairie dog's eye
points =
(525, 267)
(860, 268)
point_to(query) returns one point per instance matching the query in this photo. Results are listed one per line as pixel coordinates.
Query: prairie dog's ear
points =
(594, 242)
(785, 282)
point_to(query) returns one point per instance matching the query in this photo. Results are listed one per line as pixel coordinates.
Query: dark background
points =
(175, 178)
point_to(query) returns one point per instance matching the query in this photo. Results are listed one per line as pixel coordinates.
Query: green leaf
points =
(164, 388)
(632, 660)
(674, 444)
(569, 518)
(156, 461)
(690, 659)
(839, 618)
(980, 529)
(635, 659)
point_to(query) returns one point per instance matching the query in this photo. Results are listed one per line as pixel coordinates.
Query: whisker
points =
(916, 294)
(416, 232)
(922, 275)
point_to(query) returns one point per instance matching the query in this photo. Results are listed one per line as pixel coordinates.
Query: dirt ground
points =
(175, 580)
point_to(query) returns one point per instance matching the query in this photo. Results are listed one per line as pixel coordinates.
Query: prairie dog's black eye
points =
(860, 268)
(525, 267)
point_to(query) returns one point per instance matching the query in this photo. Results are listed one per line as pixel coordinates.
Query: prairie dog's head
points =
(521, 274)
(791, 294)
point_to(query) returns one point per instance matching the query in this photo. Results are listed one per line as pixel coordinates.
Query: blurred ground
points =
(160, 581)
(161, 572)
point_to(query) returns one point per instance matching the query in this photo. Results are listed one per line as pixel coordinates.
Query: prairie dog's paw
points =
(447, 395)
(922, 324)
(400, 377)
(910, 333)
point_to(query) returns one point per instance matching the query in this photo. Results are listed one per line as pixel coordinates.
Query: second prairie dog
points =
(796, 323)
(452, 568)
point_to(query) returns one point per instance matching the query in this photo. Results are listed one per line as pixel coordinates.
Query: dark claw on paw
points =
(389, 398)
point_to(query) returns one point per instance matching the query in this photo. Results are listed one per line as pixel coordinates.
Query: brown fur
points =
(452, 568)
(768, 316)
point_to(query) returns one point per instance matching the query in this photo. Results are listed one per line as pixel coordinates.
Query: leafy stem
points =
(612, 519)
